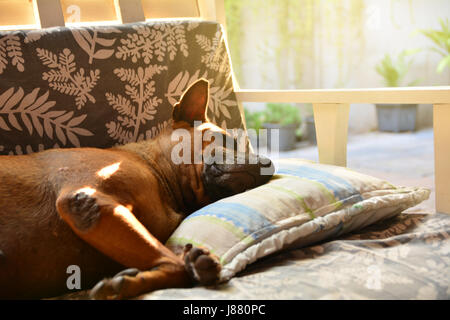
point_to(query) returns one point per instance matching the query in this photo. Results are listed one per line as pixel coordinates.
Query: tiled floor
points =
(404, 159)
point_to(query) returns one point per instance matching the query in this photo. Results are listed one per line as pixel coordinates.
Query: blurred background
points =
(331, 44)
(318, 44)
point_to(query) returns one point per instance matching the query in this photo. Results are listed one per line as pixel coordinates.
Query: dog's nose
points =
(262, 170)
(266, 166)
(223, 180)
(261, 163)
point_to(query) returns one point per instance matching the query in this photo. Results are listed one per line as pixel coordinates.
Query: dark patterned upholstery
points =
(106, 85)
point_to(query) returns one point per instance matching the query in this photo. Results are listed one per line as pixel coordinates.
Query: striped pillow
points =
(303, 203)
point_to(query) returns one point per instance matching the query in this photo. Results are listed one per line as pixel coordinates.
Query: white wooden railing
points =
(331, 111)
(331, 107)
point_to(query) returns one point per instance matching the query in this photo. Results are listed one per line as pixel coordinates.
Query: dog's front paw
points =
(202, 265)
(111, 289)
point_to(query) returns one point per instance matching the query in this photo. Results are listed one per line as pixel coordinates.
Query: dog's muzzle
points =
(248, 171)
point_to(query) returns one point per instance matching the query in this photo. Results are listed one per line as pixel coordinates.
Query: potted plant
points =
(286, 119)
(441, 39)
(396, 117)
(254, 120)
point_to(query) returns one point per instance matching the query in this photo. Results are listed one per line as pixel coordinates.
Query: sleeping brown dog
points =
(105, 210)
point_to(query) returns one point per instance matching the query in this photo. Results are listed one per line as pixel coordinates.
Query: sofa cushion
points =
(303, 203)
(100, 86)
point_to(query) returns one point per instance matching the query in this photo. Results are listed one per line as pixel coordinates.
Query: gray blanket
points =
(407, 257)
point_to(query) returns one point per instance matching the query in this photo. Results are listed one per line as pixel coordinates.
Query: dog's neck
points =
(157, 154)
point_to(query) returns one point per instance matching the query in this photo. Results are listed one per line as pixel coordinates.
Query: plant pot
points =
(396, 117)
(310, 130)
(286, 136)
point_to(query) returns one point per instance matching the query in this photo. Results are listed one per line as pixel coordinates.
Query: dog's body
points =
(103, 210)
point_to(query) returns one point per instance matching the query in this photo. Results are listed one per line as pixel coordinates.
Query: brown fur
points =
(47, 224)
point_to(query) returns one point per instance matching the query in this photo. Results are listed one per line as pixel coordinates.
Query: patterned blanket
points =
(406, 257)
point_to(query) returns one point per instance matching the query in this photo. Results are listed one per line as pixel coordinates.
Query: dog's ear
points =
(193, 103)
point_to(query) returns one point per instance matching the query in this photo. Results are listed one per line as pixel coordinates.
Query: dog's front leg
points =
(113, 229)
(202, 267)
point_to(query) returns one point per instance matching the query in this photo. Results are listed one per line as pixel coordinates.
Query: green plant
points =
(393, 71)
(282, 113)
(289, 31)
(441, 39)
(254, 120)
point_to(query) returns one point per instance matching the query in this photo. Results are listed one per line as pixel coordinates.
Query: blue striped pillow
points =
(304, 202)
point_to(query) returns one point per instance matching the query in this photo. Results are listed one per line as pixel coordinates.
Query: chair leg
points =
(331, 121)
(441, 124)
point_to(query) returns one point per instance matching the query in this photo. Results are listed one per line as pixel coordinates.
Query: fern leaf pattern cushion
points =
(99, 86)
(303, 203)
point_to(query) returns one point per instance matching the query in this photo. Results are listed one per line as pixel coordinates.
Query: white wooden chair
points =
(331, 107)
